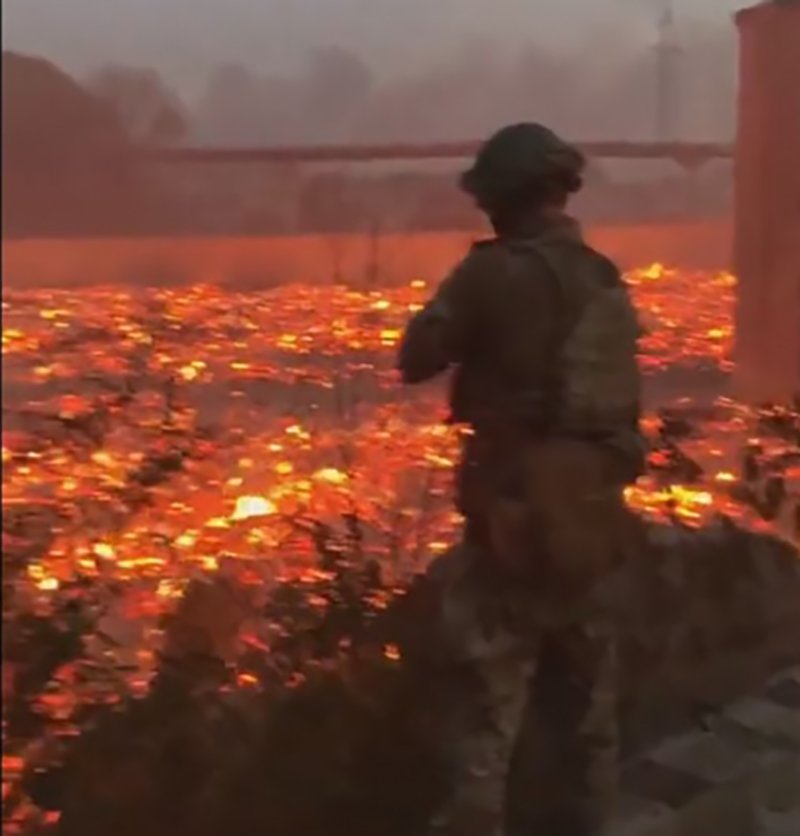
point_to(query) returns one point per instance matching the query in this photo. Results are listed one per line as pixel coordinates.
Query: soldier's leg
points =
(577, 525)
(566, 770)
(480, 729)
(482, 736)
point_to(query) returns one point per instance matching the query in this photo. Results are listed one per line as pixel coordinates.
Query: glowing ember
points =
(248, 507)
(331, 475)
(132, 467)
(392, 652)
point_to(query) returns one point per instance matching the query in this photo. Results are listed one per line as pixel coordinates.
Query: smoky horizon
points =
(350, 71)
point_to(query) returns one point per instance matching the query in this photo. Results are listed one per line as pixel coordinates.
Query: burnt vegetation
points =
(311, 704)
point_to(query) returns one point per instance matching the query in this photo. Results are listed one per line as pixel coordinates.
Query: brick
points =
(641, 817)
(776, 786)
(775, 722)
(711, 757)
(663, 784)
(778, 824)
(785, 692)
(725, 810)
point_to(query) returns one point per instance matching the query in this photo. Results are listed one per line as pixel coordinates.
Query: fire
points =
(248, 507)
(652, 273)
(132, 467)
(392, 652)
(390, 336)
(189, 373)
(104, 551)
(331, 475)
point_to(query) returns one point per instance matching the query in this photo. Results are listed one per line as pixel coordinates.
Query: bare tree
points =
(149, 110)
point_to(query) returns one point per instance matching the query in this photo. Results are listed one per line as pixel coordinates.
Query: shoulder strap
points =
(550, 253)
(551, 267)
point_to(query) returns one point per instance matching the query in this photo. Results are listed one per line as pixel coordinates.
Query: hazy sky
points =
(185, 39)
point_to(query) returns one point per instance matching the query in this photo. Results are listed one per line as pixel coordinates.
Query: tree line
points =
(72, 168)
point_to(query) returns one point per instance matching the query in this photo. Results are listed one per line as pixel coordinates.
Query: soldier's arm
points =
(436, 336)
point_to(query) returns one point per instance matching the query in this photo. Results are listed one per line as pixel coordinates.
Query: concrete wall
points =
(258, 262)
(767, 254)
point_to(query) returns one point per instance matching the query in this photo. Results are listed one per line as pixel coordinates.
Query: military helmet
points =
(518, 159)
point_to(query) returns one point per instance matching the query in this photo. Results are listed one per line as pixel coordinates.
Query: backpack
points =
(597, 374)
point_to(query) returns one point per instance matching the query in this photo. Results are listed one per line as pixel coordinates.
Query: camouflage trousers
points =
(541, 695)
(541, 648)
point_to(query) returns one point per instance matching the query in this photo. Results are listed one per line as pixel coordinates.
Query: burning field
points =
(155, 437)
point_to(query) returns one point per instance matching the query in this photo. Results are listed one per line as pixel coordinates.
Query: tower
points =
(667, 58)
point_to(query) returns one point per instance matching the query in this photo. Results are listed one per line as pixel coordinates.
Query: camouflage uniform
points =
(538, 632)
(529, 600)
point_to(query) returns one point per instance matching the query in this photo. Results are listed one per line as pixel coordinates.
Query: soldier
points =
(542, 336)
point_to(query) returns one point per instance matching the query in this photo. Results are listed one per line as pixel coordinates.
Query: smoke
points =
(592, 92)
(267, 73)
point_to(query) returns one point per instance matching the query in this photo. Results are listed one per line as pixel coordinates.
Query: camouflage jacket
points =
(497, 319)
(500, 319)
